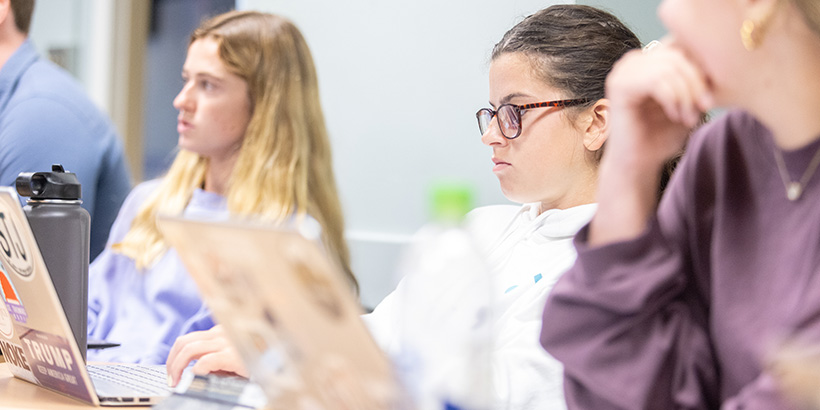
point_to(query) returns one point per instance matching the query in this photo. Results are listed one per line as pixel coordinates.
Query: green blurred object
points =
(450, 200)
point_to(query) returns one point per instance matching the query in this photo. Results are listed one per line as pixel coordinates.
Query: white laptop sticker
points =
(14, 251)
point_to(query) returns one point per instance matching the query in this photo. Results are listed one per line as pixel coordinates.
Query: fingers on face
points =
(699, 96)
(681, 86)
(665, 75)
(675, 92)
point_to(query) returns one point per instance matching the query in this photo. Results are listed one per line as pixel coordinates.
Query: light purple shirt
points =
(145, 311)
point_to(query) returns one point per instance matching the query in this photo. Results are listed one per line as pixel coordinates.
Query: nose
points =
(183, 100)
(492, 136)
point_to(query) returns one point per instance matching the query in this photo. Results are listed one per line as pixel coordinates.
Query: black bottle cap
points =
(56, 184)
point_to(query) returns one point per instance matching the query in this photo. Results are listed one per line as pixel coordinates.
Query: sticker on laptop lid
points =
(14, 252)
(16, 360)
(53, 363)
(11, 299)
(6, 324)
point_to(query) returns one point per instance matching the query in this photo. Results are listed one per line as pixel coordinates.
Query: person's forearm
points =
(627, 197)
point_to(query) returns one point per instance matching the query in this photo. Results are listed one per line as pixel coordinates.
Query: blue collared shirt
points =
(46, 118)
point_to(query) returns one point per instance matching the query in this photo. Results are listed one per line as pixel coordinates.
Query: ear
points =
(759, 11)
(596, 125)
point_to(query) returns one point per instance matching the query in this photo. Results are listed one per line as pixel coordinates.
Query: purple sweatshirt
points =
(684, 316)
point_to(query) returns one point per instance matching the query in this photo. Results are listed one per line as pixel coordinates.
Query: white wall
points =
(400, 85)
(639, 15)
(56, 25)
(83, 27)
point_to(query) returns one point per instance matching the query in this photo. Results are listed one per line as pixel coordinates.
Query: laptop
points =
(290, 314)
(35, 337)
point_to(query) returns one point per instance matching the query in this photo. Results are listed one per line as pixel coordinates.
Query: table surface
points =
(16, 394)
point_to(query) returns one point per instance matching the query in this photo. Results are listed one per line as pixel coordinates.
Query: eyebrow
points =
(202, 74)
(507, 98)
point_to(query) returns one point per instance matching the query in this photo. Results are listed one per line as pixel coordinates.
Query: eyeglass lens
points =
(485, 116)
(508, 119)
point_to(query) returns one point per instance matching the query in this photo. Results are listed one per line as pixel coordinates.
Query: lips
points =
(500, 165)
(183, 125)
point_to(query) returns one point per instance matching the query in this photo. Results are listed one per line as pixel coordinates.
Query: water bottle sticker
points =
(13, 304)
(14, 252)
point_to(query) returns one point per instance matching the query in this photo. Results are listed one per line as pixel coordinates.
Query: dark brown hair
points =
(571, 47)
(22, 10)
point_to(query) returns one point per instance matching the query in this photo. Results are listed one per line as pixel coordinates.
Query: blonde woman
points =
(253, 144)
(678, 306)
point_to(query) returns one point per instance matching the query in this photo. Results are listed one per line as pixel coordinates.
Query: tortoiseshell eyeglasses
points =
(509, 115)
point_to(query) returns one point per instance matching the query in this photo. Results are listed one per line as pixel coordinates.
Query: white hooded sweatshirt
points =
(526, 251)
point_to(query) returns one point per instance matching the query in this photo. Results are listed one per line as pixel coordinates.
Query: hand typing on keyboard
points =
(212, 351)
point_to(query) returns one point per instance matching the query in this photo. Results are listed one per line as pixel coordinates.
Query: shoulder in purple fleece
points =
(683, 316)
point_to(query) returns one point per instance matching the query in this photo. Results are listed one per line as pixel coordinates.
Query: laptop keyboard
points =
(142, 380)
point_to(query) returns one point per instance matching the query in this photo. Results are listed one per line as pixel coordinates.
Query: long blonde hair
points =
(284, 167)
(811, 13)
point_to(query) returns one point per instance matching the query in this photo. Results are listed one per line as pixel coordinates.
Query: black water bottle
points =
(62, 229)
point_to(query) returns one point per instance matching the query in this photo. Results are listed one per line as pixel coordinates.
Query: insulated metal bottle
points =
(62, 229)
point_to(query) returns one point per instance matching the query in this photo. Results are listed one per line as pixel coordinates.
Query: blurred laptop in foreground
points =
(290, 314)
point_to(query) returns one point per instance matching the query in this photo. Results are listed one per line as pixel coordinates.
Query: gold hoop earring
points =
(749, 36)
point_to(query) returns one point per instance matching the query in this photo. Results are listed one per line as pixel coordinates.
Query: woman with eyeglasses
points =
(547, 126)
(683, 305)
(252, 145)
